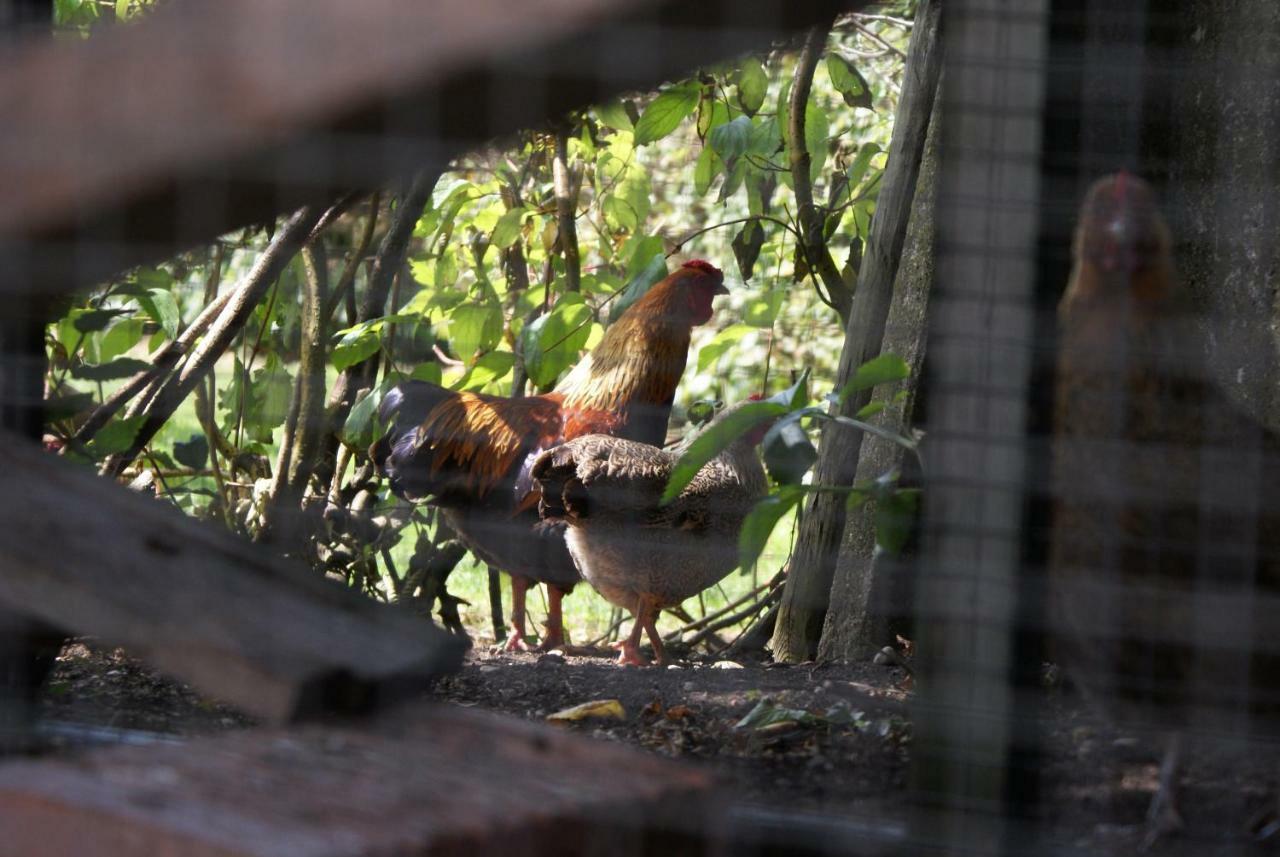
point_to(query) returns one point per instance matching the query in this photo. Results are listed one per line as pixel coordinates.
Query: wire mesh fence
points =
(367, 286)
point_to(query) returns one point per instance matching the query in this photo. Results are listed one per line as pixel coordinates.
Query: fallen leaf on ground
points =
(609, 709)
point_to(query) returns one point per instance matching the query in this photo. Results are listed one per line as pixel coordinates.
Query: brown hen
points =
(637, 553)
(1165, 557)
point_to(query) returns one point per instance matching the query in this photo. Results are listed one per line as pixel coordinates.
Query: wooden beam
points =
(206, 116)
(432, 780)
(264, 634)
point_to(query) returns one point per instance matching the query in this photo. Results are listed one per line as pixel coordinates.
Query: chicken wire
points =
(1038, 99)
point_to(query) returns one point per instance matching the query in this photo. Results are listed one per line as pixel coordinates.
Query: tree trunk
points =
(1219, 132)
(808, 587)
(871, 588)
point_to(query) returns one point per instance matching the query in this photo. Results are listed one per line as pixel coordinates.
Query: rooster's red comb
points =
(704, 266)
(755, 397)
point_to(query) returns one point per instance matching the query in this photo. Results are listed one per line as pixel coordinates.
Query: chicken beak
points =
(721, 289)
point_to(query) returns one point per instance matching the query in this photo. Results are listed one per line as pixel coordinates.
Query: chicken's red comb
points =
(704, 266)
(755, 397)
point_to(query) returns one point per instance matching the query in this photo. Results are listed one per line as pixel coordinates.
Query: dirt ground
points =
(830, 739)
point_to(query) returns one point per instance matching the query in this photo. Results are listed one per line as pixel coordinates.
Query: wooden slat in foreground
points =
(211, 114)
(269, 636)
(435, 780)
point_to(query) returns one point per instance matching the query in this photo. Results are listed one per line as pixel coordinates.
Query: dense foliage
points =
(521, 255)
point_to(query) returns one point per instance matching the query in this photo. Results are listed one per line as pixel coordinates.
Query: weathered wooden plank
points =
(430, 780)
(211, 114)
(267, 635)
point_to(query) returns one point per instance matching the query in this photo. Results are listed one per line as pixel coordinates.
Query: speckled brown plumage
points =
(470, 453)
(637, 553)
(1165, 558)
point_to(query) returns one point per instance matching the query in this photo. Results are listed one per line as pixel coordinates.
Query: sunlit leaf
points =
(664, 114)
(553, 342)
(162, 307)
(474, 327)
(753, 84)
(356, 345)
(705, 170)
(881, 369)
(719, 344)
(507, 229)
(713, 440)
(848, 81)
(613, 114)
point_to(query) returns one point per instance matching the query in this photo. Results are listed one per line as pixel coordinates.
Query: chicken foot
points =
(516, 641)
(646, 613)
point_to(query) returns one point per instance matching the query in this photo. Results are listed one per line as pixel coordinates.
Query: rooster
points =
(1165, 557)
(637, 553)
(470, 453)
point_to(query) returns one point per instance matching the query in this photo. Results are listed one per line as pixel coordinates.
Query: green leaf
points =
(507, 229)
(848, 81)
(895, 518)
(552, 342)
(163, 309)
(769, 713)
(788, 452)
(882, 369)
(357, 344)
(122, 9)
(446, 271)
(192, 452)
(427, 372)
(816, 132)
(731, 139)
(753, 85)
(665, 113)
(746, 247)
(115, 437)
(651, 274)
(362, 426)
(760, 522)
(613, 114)
(628, 205)
(861, 163)
(490, 369)
(270, 390)
(124, 367)
(705, 170)
(474, 327)
(713, 440)
(119, 338)
(763, 311)
(712, 112)
(93, 320)
(719, 344)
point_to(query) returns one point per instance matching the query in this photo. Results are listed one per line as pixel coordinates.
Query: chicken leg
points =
(515, 639)
(646, 619)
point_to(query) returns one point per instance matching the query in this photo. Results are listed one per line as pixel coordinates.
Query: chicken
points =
(1165, 553)
(637, 553)
(470, 453)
